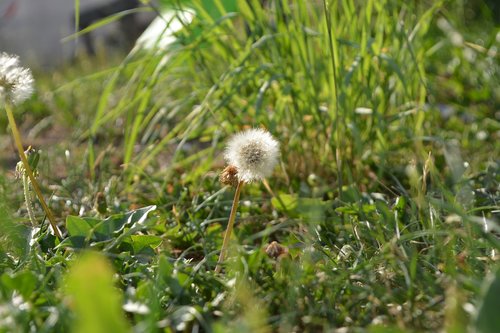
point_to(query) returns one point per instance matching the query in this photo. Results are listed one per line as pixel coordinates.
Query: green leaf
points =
(76, 242)
(311, 209)
(139, 216)
(488, 320)
(139, 242)
(24, 282)
(400, 204)
(356, 209)
(96, 302)
(111, 225)
(167, 275)
(115, 224)
(165, 268)
(14, 236)
(285, 203)
(97, 232)
(78, 226)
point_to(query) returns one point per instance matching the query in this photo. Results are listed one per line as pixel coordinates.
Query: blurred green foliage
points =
(96, 302)
(408, 102)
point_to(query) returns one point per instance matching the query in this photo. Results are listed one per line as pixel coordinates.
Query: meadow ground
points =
(382, 214)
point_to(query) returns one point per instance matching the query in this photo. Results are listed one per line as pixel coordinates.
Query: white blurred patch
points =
(363, 110)
(160, 34)
(136, 307)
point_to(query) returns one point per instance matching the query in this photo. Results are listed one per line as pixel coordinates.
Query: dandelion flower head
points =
(254, 153)
(16, 82)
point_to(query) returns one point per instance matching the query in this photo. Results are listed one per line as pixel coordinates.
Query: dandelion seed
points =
(16, 82)
(254, 153)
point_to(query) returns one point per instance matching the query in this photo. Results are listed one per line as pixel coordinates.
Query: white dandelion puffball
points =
(254, 153)
(16, 82)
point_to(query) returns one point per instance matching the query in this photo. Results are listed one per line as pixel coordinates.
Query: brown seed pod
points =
(275, 250)
(229, 176)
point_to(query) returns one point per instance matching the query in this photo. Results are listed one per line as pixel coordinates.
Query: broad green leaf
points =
(165, 267)
(400, 204)
(356, 209)
(77, 226)
(87, 230)
(24, 282)
(96, 302)
(115, 224)
(285, 202)
(311, 209)
(112, 225)
(488, 319)
(139, 216)
(14, 236)
(168, 276)
(76, 242)
(139, 242)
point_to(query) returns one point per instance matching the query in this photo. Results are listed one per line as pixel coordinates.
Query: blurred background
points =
(39, 30)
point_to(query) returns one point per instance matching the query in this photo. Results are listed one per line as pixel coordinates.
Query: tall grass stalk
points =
(334, 85)
(280, 75)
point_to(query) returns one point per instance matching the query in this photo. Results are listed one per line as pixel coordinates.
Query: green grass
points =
(386, 196)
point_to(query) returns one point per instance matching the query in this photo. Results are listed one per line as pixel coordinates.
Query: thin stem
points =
(268, 188)
(229, 229)
(340, 141)
(27, 199)
(29, 172)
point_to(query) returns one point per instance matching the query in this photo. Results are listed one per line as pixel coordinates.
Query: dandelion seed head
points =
(16, 82)
(254, 153)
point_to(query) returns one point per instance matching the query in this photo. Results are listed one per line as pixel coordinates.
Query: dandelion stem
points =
(229, 229)
(29, 172)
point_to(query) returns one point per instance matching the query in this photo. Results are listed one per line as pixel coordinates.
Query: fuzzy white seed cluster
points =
(16, 82)
(254, 153)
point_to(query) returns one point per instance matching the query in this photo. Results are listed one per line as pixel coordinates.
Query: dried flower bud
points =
(229, 176)
(275, 250)
(100, 203)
